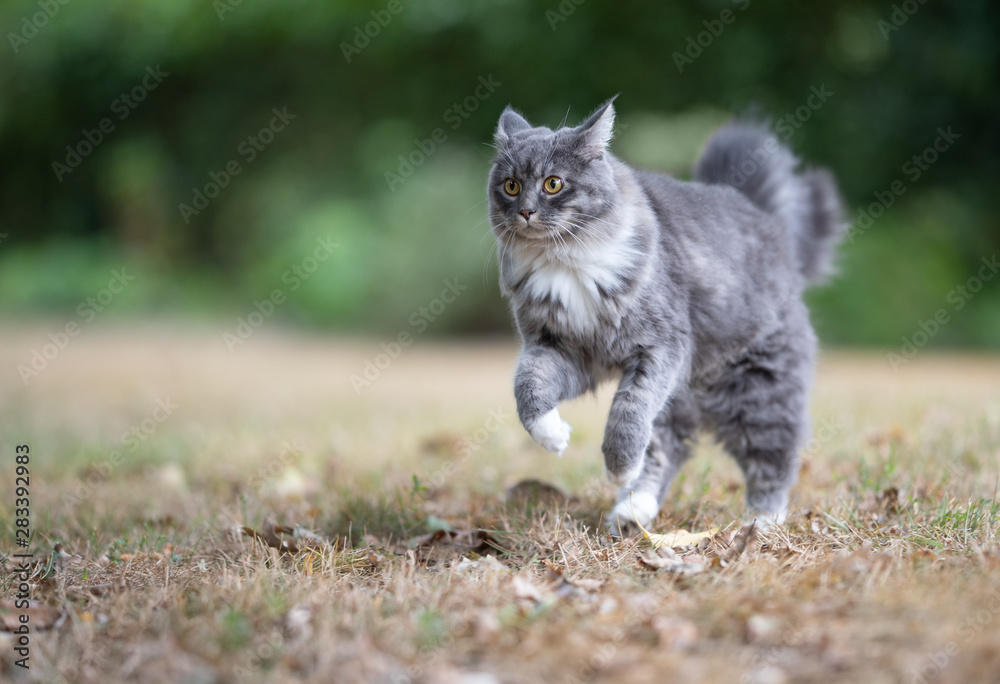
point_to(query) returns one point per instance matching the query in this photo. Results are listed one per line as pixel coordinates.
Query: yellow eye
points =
(552, 185)
(511, 186)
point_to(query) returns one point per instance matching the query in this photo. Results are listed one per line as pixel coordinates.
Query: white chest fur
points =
(573, 274)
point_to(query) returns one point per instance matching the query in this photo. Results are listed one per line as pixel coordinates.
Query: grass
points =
(278, 527)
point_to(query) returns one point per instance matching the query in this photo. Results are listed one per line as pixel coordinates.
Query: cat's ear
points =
(510, 123)
(594, 134)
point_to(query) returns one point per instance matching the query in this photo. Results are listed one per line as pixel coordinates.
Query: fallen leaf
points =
(680, 538)
(651, 560)
(675, 539)
(270, 534)
(471, 540)
(684, 567)
(733, 548)
(307, 539)
(552, 571)
(564, 587)
(62, 559)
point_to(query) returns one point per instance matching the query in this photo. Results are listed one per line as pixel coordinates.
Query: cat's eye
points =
(511, 187)
(552, 185)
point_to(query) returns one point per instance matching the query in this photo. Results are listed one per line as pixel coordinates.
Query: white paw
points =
(640, 507)
(552, 432)
(770, 521)
(771, 512)
(624, 478)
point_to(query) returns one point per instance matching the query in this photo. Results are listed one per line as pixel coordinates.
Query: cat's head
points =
(552, 187)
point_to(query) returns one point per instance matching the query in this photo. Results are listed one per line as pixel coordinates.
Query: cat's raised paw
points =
(551, 432)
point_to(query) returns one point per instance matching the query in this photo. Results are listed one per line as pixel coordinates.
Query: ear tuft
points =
(510, 123)
(595, 133)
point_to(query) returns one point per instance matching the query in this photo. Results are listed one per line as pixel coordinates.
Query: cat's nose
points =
(526, 213)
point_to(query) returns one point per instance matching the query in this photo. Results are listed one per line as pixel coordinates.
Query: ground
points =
(256, 516)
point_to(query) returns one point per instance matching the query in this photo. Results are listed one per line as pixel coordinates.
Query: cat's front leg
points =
(648, 381)
(545, 376)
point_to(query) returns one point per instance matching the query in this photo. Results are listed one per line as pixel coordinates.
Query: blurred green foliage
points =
(362, 101)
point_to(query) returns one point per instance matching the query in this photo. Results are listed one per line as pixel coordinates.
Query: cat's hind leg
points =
(758, 408)
(670, 446)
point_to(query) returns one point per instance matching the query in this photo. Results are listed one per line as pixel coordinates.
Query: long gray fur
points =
(689, 291)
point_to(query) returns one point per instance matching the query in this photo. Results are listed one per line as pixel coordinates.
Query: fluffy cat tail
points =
(747, 156)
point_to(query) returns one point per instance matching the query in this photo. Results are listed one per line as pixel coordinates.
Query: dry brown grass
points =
(886, 571)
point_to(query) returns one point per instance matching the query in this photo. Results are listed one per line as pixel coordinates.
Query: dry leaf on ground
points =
(470, 540)
(302, 539)
(675, 539)
(564, 587)
(738, 543)
(679, 538)
(685, 567)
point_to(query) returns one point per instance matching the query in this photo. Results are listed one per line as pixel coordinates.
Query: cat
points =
(689, 292)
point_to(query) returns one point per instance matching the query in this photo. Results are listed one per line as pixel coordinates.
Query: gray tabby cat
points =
(689, 291)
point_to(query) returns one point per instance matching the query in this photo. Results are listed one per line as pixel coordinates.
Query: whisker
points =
(565, 118)
(582, 244)
(489, 255)
(600, 240)
(576, 237)
(500, 245)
